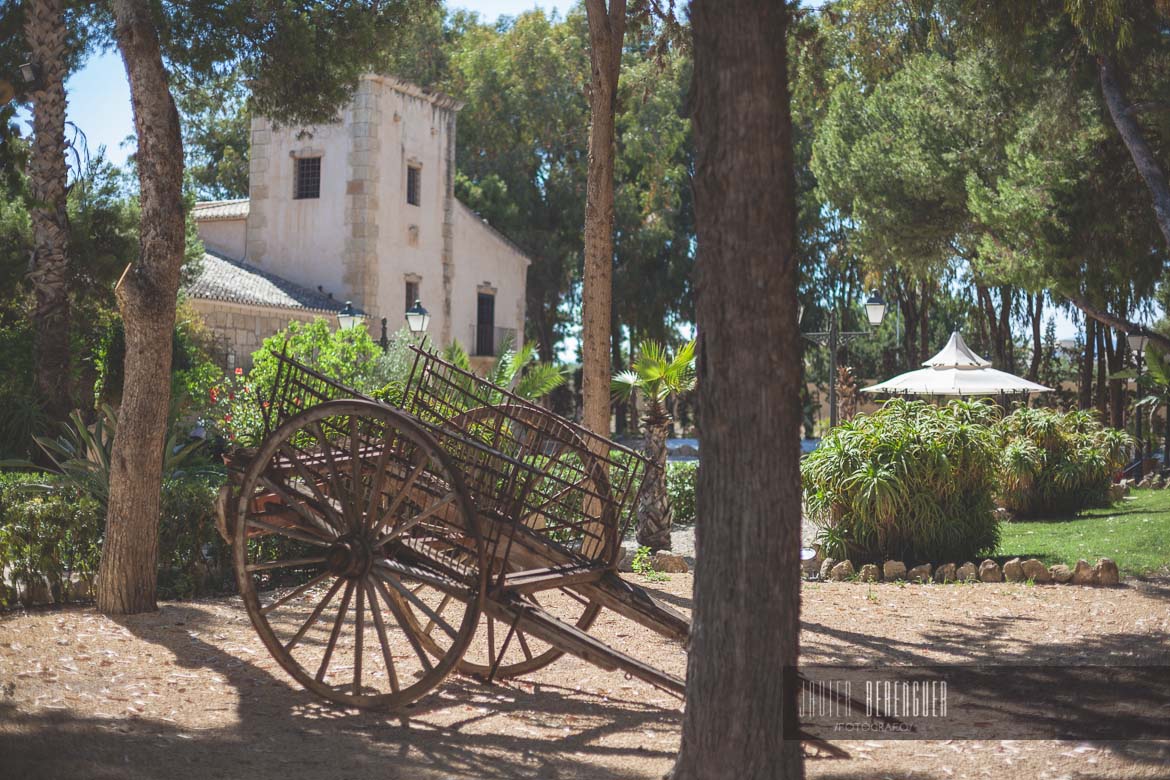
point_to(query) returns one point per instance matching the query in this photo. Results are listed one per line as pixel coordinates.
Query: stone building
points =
(363, 210)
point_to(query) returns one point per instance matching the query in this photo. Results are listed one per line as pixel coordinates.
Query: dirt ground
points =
(190, 692)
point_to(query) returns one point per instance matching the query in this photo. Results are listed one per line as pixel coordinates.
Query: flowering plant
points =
(235, 412)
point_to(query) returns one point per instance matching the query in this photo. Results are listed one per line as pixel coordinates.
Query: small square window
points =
(413, 185)
(308, 178)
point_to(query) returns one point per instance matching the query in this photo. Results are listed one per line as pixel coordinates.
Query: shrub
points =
(46, 536)
(680, 490)
(193, 559)
(1055, 463)
(911, 481)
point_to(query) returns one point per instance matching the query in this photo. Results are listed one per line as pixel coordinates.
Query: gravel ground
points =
(189, 692)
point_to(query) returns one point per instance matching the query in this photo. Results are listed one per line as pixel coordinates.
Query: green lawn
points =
(1135, 534)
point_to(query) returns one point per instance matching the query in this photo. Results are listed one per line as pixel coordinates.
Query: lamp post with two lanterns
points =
(875, 312)
(418, 319)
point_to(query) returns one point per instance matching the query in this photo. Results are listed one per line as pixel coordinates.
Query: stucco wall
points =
(226, 237)
(484, 260)
(361, 240)
(240, 330)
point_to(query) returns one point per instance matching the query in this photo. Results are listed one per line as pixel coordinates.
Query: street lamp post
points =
(834, 337)
(417, 320)
(1137, 341)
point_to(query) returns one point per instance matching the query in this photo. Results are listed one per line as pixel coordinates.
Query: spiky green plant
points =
(1056, 463)
(912, 481)
(517, 370)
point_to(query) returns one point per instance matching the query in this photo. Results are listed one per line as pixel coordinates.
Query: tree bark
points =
(1102, 396)
(1115, 355)
(1135, 141)
(1085, 396)
(606, 31)
(1117, 322)
(44, 29)
(741, 715)
(654, 507)
(1036, 315)
(146, 299)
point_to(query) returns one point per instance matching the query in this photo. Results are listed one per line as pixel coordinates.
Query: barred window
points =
(308, 178)
(411, 293)
(413, 185)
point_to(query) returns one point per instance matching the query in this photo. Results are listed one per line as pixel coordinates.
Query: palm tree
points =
(657, 376)
(517, 370)
(45, 34)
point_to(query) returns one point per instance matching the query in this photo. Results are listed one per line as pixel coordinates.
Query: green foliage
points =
(657, 375)
(82, 454)
(517, 370)
(345, 356)
(911, 481)
(193, 559)
(643, 563)
(1058, 463)
(46, 537)
(680, 489)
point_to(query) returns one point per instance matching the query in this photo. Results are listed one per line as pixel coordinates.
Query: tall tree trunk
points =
(146, 299)
(741, 715)
(1102, 398)
(44, 30)
(1115, 354)
(1085, 396)
(1139, 149)
(607, 28)
(653, 506)
(1036, 315)
(622, 408)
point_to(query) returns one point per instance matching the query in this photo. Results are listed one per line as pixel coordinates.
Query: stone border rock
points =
(1105, 573)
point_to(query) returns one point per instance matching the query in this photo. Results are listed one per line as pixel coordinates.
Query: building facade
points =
(364, 210)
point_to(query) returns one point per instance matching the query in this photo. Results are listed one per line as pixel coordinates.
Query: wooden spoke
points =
(358, 636)
(321, 483)
(313, 617)
(491, 632)
(299, 505)
(292, 533)
(331, 462)
(336, 632)
(380, 628)
(379, 477)
(419, 468)
(430, 626)
(524, 645)
(412, 522)
(269, 565)
(404, 622)
(310, 480)
(280, 602)
(396, 583)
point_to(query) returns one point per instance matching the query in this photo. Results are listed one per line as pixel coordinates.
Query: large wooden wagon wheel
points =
(351, 522)
(501, 651)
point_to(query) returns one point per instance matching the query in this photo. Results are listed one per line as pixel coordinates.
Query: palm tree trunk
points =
(44, 29)
(654, 507)
(146, 298)
(606, 32)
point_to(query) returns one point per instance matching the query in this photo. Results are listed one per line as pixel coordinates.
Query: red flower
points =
(227, 418)
(231, 396)
(214, 395)
(239, 372)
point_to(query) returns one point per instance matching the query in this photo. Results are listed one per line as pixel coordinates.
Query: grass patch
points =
(1135, 534)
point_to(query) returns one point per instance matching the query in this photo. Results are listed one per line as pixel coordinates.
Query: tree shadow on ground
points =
(283, 731)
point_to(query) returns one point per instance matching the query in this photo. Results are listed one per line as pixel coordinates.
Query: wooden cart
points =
(380, 547)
